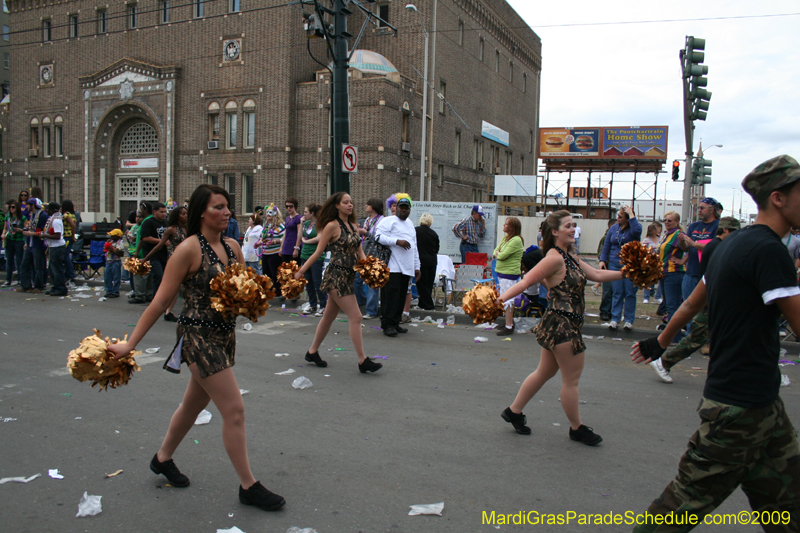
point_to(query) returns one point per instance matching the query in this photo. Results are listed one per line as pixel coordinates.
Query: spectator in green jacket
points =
(509, 256)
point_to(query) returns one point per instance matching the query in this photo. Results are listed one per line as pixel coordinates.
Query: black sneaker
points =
(170, 471)
(316, 359)
(516, 420)
(369, 365)
(400, 329)
(586, 435)
(136, 301)
(259, 496)
(390, 332)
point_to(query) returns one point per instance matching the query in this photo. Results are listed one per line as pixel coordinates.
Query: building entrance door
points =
(133, 189)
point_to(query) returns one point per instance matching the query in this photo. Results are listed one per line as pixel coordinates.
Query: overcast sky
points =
(629, 75)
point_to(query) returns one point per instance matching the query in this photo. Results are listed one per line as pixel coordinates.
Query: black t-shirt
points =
(747, 268)
(153, 228)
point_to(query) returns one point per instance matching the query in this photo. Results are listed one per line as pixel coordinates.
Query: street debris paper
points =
(92, 361)
(234, 529)
(290, 288)
(241, 291)
(373, 272)
(89, 505)
(203, 418)
(118, 472)
(640, 265)
(53, 473)
(480, 303)
(20, 479)
(428, 508)
(137, 267)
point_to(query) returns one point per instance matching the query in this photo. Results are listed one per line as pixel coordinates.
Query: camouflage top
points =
(567, 297)
(198, 292)
(177, 238)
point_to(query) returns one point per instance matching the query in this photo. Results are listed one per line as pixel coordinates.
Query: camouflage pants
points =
(695, 340)
(754, 448)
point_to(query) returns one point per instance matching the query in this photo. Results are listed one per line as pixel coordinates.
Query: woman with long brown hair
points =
(559, 332)
(206, 343)
(340, 235)
(509, 258)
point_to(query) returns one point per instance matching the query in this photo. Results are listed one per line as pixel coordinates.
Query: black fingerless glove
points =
(650, 348)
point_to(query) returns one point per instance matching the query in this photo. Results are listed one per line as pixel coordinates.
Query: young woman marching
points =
(206, 343)
(340, 235)
(559, 332)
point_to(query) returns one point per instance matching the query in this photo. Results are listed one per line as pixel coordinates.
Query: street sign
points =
(349, 158)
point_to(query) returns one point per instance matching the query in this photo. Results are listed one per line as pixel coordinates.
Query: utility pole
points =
(336, 37)
(340, 101)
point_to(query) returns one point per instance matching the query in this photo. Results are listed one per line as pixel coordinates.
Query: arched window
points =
(140, 138)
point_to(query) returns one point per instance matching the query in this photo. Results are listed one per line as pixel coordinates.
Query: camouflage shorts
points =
(754, 448)
(555, 329)
(213, 350)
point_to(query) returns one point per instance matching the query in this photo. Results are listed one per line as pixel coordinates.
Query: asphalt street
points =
(349, 454)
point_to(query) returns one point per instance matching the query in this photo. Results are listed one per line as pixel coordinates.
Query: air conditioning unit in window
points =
(406, 147)
(481, 165)
(33, 152)
(213, 145)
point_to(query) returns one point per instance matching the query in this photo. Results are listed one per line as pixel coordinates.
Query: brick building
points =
(145, 99)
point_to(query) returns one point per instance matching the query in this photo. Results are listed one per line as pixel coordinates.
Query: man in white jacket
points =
(398, 233)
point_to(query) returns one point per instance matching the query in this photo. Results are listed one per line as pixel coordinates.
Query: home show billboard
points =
(626, 143)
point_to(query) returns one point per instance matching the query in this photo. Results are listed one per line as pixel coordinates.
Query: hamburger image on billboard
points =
(584, 142)
(554, 140)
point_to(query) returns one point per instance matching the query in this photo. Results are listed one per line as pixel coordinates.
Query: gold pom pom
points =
(640, 264)
(240, 291)
(92, 361)
(137, 267)
(373, 272)
(480, 304)
(290, 288)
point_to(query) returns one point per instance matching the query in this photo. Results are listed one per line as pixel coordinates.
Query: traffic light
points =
(676, 170)
(701, 171)
(694, 71)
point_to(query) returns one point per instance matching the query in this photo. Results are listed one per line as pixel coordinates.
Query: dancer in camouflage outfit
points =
(206, 343)
(559, 332)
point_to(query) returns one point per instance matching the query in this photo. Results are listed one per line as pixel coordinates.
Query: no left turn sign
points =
(349, 158)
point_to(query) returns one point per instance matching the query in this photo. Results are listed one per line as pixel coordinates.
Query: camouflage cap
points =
(770, 175)
(729, 223)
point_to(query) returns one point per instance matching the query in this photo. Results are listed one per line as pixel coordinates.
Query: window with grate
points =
(140, 138)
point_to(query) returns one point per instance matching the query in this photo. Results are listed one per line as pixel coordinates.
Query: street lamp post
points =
(413, 8)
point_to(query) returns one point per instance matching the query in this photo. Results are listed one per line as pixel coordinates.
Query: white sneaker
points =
(71, 285)
(613, 325)
(369, 317)
(782, 333)
(661, 372)
(628, 326)
(320, 311)
(659, 300)
(131, 294)
(646, 301)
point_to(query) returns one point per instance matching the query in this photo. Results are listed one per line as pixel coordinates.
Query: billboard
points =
(626, 143)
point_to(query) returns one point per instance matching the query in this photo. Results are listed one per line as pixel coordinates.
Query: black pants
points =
(425, 286)
(393, 299)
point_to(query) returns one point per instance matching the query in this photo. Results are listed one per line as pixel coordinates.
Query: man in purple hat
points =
(470, 230)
